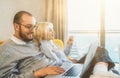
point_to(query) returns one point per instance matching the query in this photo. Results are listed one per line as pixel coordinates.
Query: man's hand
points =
(50, 70)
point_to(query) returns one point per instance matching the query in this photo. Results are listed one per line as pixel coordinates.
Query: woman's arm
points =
(68, 46)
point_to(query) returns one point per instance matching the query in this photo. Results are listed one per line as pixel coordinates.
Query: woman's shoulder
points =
(45, 43)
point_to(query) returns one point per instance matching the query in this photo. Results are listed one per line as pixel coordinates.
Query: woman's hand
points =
(50, 70)
(70, 40)
(74, 60)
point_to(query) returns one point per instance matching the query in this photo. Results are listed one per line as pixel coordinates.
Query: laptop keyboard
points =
(73, 71)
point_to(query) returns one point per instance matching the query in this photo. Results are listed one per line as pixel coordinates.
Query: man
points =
(19, 56)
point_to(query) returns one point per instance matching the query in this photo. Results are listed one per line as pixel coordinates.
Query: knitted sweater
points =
(20, 60)
(54, 52)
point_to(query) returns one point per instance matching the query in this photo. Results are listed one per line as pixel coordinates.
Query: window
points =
(84, 23)
(112, 28)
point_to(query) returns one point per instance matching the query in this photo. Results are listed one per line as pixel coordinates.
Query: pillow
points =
(1, 42)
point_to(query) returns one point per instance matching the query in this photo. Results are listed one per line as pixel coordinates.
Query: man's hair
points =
(18, 15)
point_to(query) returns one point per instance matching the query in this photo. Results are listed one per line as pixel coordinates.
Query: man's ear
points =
(16, 27)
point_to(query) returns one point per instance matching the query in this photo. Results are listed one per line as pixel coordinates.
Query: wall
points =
(8, 8)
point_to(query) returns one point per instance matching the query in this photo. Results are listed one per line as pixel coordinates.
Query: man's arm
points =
(50, 70)
(11, 71)
(12, 67)
(14, 73)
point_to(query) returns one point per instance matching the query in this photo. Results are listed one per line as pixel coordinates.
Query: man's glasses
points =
(30, 27)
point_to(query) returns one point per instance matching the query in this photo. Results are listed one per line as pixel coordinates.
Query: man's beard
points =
(23, 37)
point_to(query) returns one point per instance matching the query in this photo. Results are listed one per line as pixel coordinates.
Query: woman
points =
(44, 35)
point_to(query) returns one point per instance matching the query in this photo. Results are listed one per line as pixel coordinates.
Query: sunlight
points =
(112, 14)
(84, 15)
(84, 19)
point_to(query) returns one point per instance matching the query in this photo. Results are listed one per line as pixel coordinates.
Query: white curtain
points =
(56, 13)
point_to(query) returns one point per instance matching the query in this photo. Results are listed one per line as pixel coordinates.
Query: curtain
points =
(56, 13)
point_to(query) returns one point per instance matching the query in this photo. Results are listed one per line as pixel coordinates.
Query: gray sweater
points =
(19, 61)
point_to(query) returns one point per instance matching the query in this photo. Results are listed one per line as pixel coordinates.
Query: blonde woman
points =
(44, 35)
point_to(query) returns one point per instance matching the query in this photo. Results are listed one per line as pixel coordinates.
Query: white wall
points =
(8, 8)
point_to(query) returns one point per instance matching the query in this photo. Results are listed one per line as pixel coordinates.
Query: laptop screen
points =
(90, 54)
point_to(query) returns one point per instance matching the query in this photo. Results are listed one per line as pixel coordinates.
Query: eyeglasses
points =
(30, 27)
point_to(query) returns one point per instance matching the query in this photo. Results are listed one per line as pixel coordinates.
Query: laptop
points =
(76, 70)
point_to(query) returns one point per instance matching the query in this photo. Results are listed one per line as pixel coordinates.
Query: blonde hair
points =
(41, 31)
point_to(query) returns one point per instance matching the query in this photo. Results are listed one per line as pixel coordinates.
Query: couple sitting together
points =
(31, 53)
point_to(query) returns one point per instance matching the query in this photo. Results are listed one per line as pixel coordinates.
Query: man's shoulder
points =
(8, 43)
